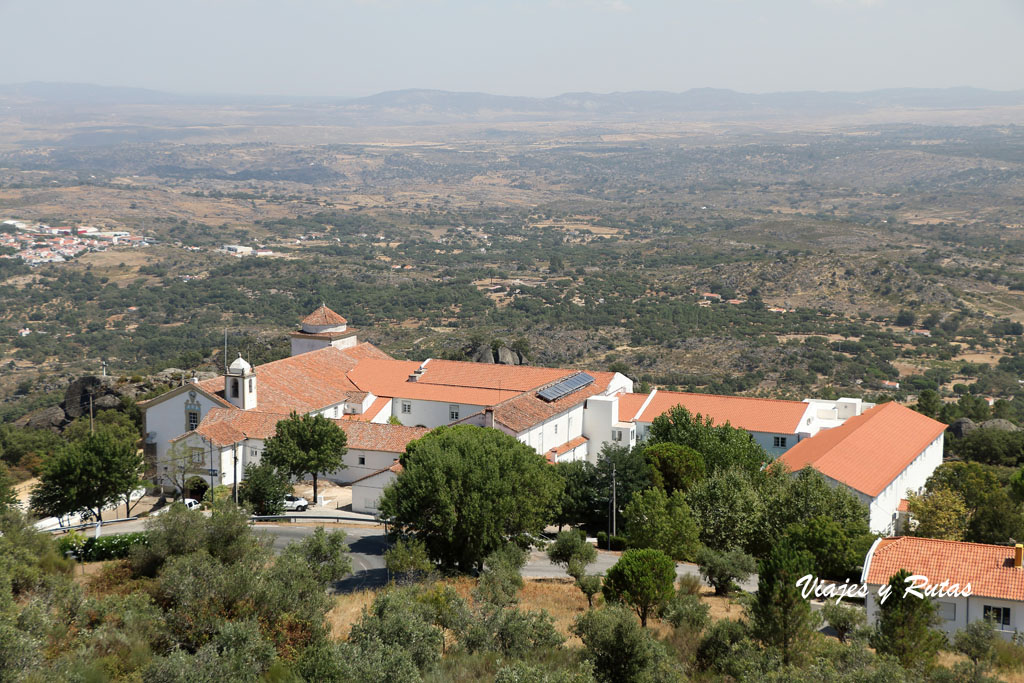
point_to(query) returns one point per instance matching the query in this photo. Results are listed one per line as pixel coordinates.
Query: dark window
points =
(250, 385)
(1000, 616)
(362, 460)
(234, 388)
(193, 419)
(779, 442)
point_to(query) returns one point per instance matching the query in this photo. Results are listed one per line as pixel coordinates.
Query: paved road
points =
(368, 544)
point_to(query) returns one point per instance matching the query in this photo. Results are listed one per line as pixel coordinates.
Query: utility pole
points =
(92, 424)
(225, 350)
(234, 476)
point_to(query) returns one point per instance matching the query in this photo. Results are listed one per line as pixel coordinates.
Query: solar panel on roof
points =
(565, 387)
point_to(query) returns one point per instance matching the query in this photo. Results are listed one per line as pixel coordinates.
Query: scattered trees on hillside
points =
(642, 580)
(306, 444)
(466, 491)
(656, 520)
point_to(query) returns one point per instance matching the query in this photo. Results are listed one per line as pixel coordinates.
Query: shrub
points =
(642, 579)
(690, 584)
(103, 548)
(723, 569)
(845, 619)
(685, 610)
(619, 648)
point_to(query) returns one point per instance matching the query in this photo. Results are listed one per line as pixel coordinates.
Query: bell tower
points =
(240, 384)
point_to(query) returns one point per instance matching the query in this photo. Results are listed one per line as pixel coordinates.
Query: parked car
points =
(295, 504)
(190, 504)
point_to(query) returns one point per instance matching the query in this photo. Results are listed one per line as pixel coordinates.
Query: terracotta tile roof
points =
(396, 468)
(370, 413)
(869, 451)
(743, 412)
(629, 405)
(323, 317)
(203, 388)
(387, 438)
(445, 381)
(988, 568)
(306, 382)
(569, 445)
(525, 410)
(224, 426)
(904, 505)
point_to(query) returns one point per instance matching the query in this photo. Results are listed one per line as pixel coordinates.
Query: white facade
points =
(366, 493)
(413, 412)
(956, 613)
(175, 413)
(302, 344)
(884, 506)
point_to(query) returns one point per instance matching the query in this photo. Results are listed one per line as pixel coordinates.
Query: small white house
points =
(994, 572)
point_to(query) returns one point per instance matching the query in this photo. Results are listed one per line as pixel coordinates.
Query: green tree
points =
(674, 467)
(641, 579)
(8, 498)
(905, 318)
(845, 619)
(324, 554)
(728, 510)
(264, 488)
(780, 617)
(992, 447)
(581, 493)
(408, 560)
(306, 444)
(724, 569)
(997, 519)
(118, 424)
(619, 649)
(501, 580)
(571, 551)
(655, 520)
(721, 446)
(466, 491)
(929, 403)
(89, 474)
(631, 476)
(836, 555)
(904, 626)
(971, 480)
(939, 514)
(977, 642)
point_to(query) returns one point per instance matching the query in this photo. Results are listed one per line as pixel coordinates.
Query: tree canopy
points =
(641, 579)
(466, 491)
(306, 444)
(721, 446)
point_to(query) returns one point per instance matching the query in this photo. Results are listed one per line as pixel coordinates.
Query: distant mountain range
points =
(69, 101)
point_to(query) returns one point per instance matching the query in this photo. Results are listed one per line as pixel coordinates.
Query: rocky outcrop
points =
(483, 354)
(962, 427)
(507, 356)
(106, 393)
(51, 418)
(1000, 424)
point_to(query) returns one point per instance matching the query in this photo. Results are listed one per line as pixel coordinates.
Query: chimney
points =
(1018, 555)
(488, 417)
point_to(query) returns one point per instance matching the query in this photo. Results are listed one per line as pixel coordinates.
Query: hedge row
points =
(102, 548)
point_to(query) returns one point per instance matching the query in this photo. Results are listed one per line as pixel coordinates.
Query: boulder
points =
(76, 398)
(1000, 424)
(483, 354)
(52, 418)
(507, 356)
(962, 427)
(523, 360)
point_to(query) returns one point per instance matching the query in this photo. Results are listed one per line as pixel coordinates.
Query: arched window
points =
(234, 388)
(250, 385)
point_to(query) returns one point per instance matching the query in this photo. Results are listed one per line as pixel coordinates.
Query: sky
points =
(352, 48)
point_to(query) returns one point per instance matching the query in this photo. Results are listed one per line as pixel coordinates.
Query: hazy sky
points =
(515, 47)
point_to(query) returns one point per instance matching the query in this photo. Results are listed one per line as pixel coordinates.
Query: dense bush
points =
(93, 549)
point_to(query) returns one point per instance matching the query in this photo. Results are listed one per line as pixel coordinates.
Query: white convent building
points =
(214, 428)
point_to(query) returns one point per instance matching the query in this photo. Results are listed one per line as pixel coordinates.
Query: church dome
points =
(239, 367)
